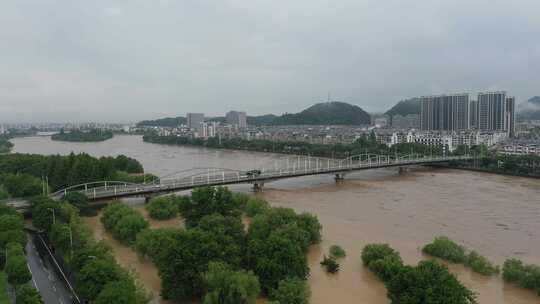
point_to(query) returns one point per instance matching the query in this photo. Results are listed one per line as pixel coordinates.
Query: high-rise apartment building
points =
(473, 114)
(491, 111)
(510, 107)
(444, 112)
(195, 120)
(237, 119)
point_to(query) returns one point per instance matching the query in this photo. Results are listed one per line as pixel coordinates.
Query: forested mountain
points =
(329, 113)
(405, 107)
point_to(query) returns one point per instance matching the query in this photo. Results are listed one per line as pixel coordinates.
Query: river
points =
(499, 216)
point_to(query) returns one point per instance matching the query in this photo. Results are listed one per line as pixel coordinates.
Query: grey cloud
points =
(129, 60)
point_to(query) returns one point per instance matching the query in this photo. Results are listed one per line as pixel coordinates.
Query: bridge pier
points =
(402, 170)
(258, 187)
(339, 177)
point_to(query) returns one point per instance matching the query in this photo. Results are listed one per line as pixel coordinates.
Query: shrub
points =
(481, 264)
(330, 264)
(256, 206)
(526, 276)
(162, 208)
(291, 291)
(373, 252)
(337, 252)
(446, 249)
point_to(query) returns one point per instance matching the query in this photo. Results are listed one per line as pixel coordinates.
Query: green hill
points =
(329, 113)
(405, 107)
(530, 110)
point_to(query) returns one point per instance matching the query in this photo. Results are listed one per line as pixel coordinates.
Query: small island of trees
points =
(93, 135)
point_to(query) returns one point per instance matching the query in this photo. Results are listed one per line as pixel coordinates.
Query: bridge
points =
(290, 167)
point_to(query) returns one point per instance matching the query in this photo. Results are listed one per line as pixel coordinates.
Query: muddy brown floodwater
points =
(145, 271)
(498, 216)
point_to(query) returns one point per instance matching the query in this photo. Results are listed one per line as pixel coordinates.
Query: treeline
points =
(22, 174)
(214, 258)
(522, 165)
(98, 277)
(12, 257)
(365, 144)
(93, 135)
(5, 144)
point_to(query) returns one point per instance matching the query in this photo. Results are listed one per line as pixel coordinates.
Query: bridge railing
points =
(302, 166)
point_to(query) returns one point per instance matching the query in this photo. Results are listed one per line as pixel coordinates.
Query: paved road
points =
(44, 278)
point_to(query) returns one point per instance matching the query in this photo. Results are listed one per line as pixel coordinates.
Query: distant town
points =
(446, 121)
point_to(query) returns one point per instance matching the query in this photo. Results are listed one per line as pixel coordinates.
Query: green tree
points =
(21, 185)
(226, 286)
(11, 222)
(28, 295)
(228, 232)
(162, 208)
(256, 206)
(61, 236)
(44, 214)
(207, 201)
(117, 292)
(79, 200)
(16, 270)
(183, 263)
(275, 258)
(113, 213)
(291, 291)
(128, 227)
(94, 276)
(429, 282)
(150, 243)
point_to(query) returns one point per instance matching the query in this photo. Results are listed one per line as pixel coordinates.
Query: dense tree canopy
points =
(429, 282)
(206, 201)
(26, 294)
(226, 286)
(291, 291)
(162, 208)
(62, 171)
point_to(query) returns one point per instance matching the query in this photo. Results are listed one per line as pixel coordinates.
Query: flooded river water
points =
(498, 216)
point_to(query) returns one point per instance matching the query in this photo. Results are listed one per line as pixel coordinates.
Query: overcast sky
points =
(106, 60)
